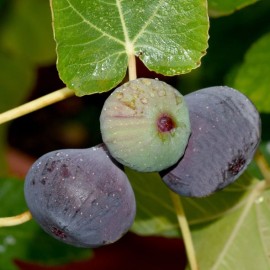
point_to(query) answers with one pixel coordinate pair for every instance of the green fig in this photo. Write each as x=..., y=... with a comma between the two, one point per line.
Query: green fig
x=145, y=125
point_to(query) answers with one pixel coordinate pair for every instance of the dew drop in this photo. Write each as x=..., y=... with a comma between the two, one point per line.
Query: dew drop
x=144, y=100
x=9, y=240
x=161, y=93
x=178, y=99
x=146, y=81
x=2, y=249
x=259, y=200
x=119, y=95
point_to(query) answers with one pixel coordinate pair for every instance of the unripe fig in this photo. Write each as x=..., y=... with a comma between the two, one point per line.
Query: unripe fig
x=226, y=130
x=80, y=196
x=145, y=125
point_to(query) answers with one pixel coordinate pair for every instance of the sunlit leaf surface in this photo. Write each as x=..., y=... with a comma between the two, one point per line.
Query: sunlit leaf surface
x=95, y=39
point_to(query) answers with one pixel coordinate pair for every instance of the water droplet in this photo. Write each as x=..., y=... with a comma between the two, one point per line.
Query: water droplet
x=146, y=81
x=178, y=99
x=161, y=93
x=119, y=95
x=9, y=240
x=259, y=200
x=2, y=249
x=144, y=100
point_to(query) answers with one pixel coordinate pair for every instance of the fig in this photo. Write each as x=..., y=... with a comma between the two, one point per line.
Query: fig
x=145, y=125
x=80, y=196
x=226, y=131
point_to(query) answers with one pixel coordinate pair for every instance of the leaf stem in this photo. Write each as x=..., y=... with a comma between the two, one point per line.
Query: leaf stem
x=36, y=104
x=185, y=230
x=15, y=220
x=132, y=71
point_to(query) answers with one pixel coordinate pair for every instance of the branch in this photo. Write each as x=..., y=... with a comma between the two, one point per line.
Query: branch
x=15, y=220
x=185, y=230
x=36, y=104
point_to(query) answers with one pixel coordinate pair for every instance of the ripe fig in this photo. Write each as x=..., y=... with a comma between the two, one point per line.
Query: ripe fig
x=145, y=125
x=80, y=196
x=226, y=131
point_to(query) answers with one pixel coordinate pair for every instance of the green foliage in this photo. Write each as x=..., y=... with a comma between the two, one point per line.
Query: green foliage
x=94, y=42
x=27, y=241
x=252, y=77
x=155, y=211
x=239, y=239
x=219, y=8
x=26, y=32
x=26, y=41
x=13, y=90
x=95, y=39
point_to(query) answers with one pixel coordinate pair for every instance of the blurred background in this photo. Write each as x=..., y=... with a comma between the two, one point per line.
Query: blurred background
x=28, y=71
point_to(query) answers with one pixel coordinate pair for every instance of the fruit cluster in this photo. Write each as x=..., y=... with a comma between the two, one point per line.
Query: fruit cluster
x=199, y=144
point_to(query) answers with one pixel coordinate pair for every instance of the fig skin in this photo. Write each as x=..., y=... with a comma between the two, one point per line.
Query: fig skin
x=226, y=131
x=145, y=125
x=80, y=196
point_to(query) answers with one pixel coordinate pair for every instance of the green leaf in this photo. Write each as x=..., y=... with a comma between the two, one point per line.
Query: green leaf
x=203, y=210
x=3, y=162
x=26, y=32
x=253, y=77
x=28, y=241
x=16, y=79
x=240, y=239
x=219, y=8
x=155, y=211
x=96, y=38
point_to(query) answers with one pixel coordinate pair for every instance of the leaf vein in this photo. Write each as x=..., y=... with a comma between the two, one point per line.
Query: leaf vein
x=250, y=201
x=94, y=26
x=148, y=22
